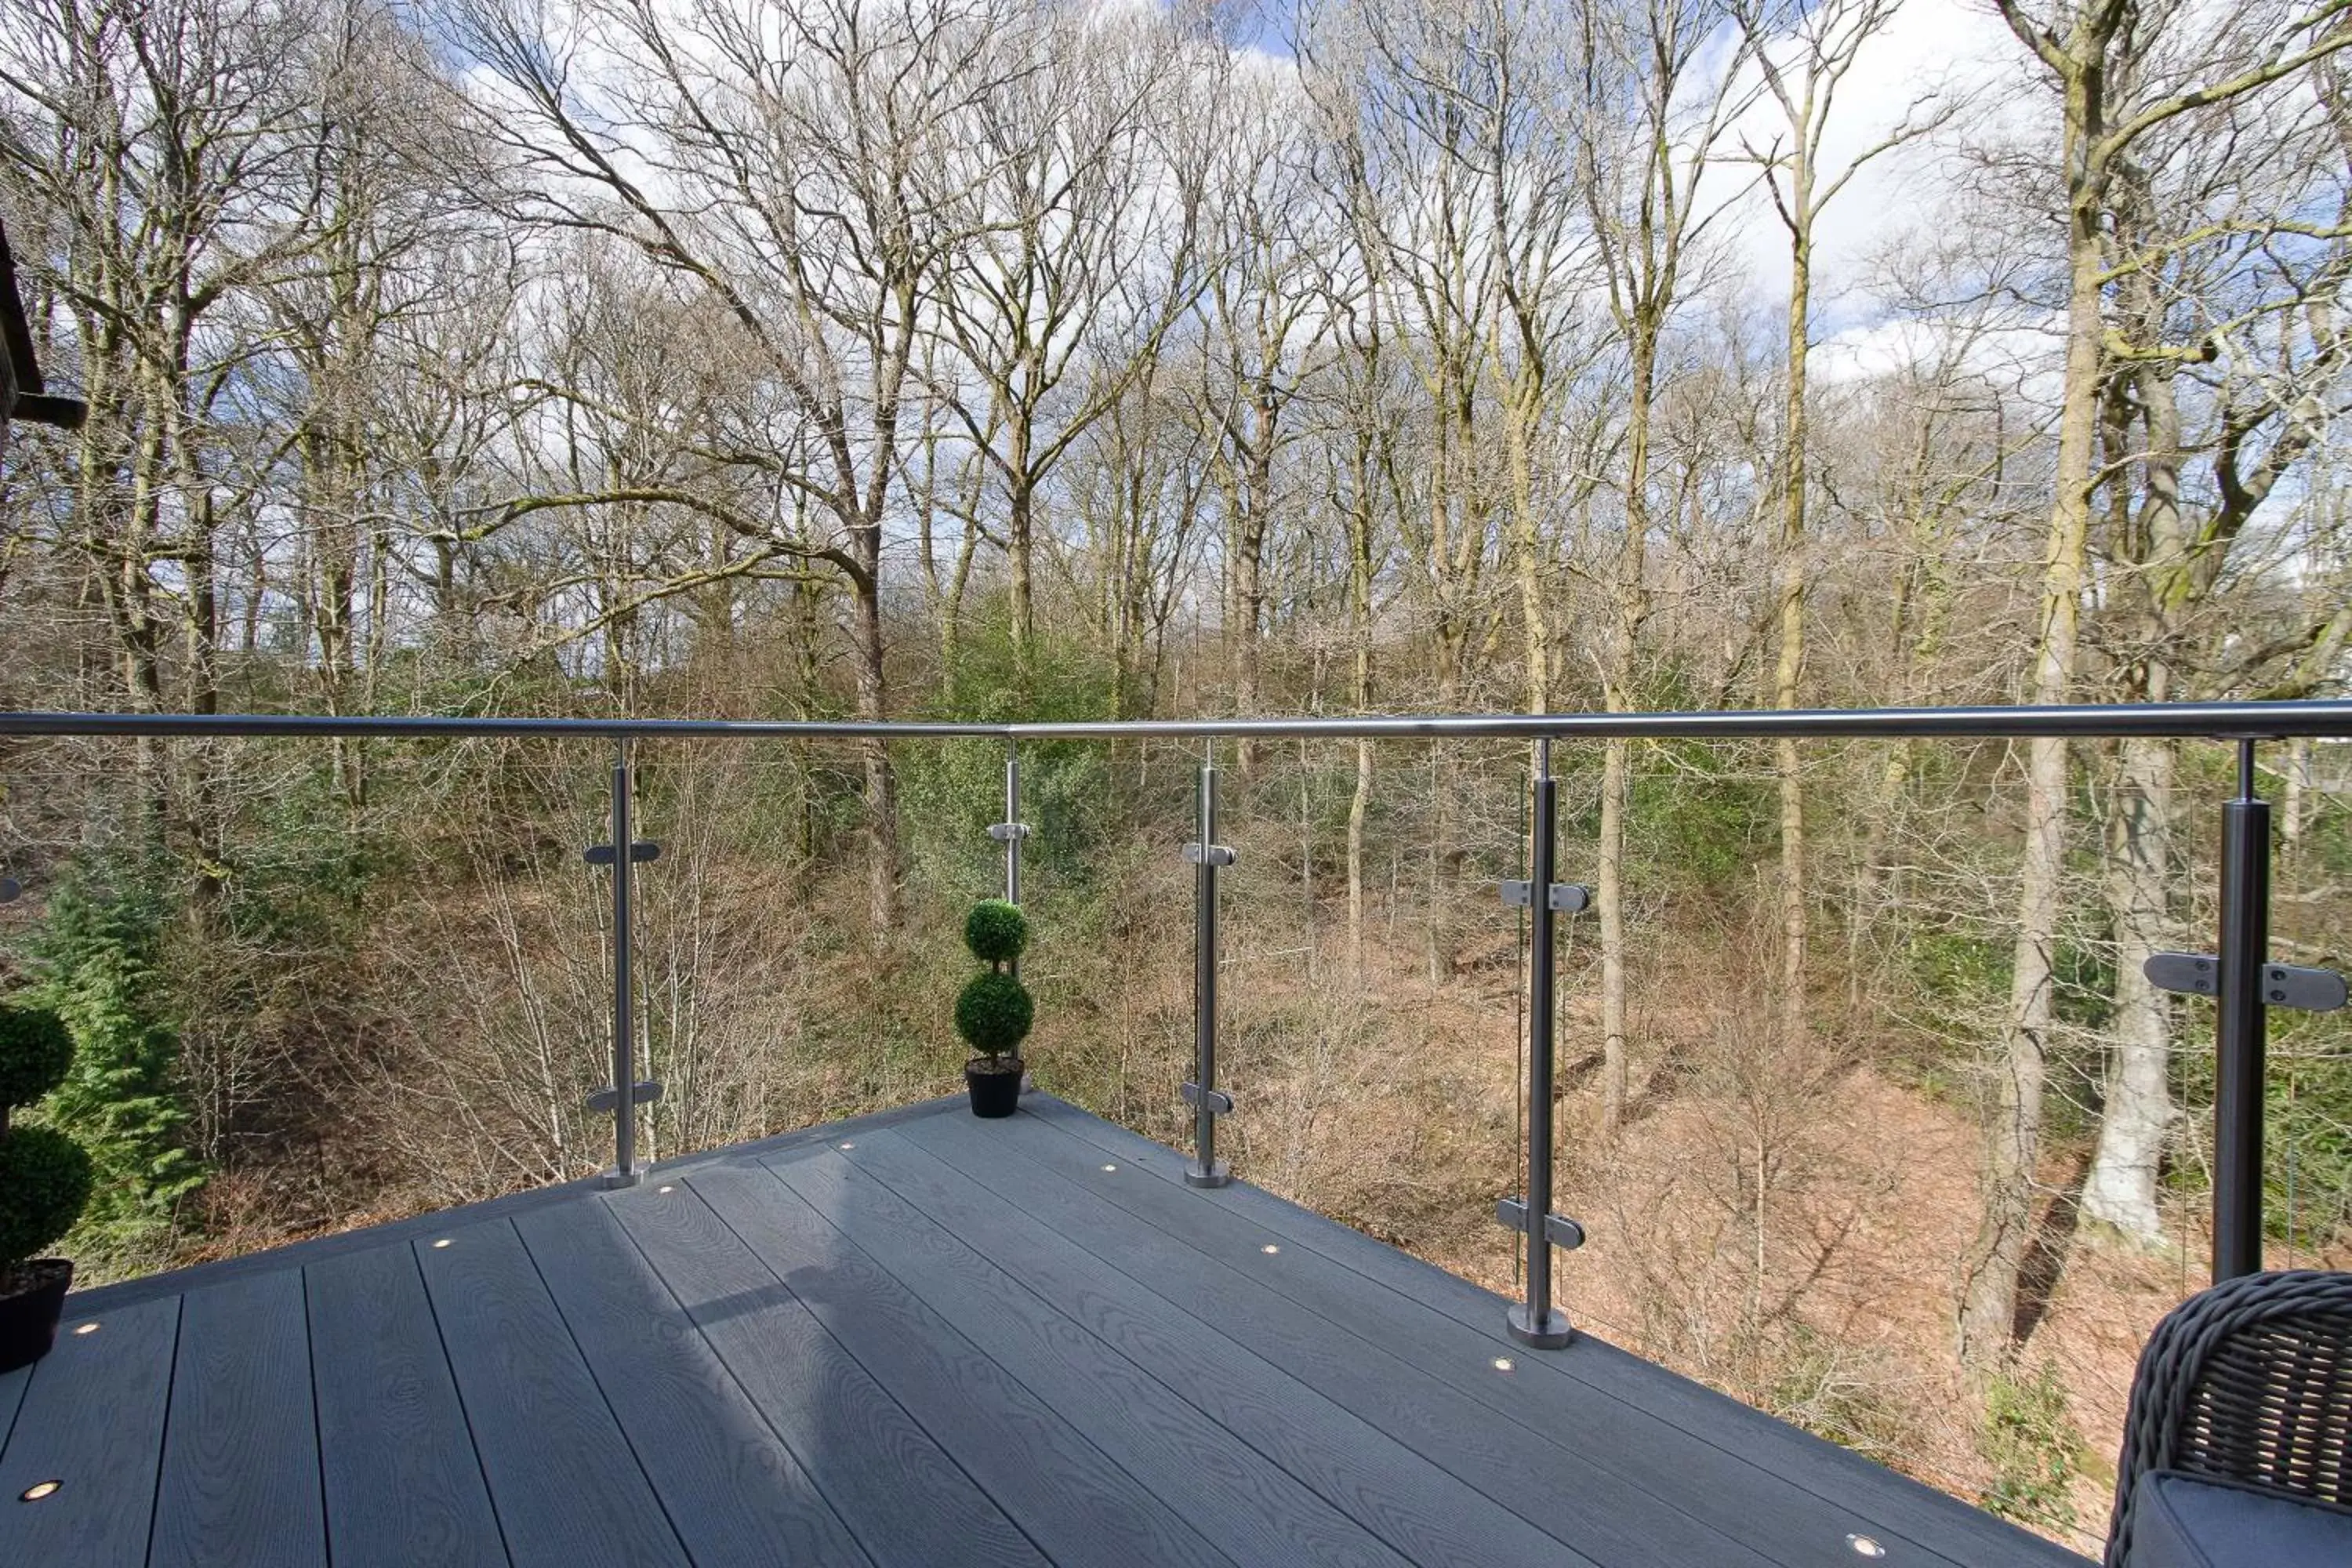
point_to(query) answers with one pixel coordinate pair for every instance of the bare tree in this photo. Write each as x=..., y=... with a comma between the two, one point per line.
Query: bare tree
x=800, y=175
x=1804, y=53
x=1137, y=485
x=1079, y=222
x=2093, y=52
x=1395, y=81
x=165, y=149
x=1364, y=419
x=2223, y=272
x=1273, y=227
x=1655, y=106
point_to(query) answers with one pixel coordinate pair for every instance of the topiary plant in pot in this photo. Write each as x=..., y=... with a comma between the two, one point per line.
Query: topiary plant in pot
x=44, y=1178
x=993, y=1011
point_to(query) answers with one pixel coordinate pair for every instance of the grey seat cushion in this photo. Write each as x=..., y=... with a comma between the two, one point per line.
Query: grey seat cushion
x=2181, y=1520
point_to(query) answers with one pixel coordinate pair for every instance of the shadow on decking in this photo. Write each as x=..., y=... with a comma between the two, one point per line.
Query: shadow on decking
x=913, y=1338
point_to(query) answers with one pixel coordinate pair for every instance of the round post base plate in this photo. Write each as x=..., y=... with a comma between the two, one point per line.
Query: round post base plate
x=1551, y=1335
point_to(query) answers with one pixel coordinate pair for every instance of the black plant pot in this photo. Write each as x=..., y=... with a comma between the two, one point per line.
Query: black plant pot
x=29, y=1314
x=993, y=1093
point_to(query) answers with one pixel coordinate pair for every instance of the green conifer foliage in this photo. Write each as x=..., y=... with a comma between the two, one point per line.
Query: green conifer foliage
x=94, y=958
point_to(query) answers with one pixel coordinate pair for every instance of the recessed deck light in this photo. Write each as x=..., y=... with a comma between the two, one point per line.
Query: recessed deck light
x=38, y=1490
x=1110, y=1167
x=851, y=1145
x=1269, y=1249
x=442, y=1242
x=1865, y=1546
x=665, y=1189
x=1502, y=1363
x=87, y=1329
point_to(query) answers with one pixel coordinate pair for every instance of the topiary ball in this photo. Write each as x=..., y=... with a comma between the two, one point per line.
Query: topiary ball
x=993, y=1014
x=45, y=1180
x=34, y=1052
x=996, y=932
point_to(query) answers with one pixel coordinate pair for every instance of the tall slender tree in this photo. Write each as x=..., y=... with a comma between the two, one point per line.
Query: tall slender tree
x=2095, y=55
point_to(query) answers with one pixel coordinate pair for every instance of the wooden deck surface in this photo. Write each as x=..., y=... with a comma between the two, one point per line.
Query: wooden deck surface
x=913, y=1340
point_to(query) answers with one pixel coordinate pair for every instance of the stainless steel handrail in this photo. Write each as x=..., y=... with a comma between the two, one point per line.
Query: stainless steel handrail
x=253, y=726
x=2209, y=720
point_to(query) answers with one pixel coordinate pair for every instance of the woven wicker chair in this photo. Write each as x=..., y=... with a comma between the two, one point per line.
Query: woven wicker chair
x=2248, y=1384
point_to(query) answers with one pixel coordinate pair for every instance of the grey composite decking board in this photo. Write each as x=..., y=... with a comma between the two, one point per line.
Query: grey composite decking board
x=801, y=1137
x=239, y=1487
x=899, y=1494
x=964, y=1343
x=1711, y=1485
x=318, y=1248
x=402, y=1483
x=1431, y=1517
x=1894, y=1504
x=12, y=1395
x=1080, y=1508
x=1565, y=1493
x=1243, y=1504
x=566, y=1485
x=733, y=1492
x=12, y=1384
x=1898, y=1502
x=92, y=1418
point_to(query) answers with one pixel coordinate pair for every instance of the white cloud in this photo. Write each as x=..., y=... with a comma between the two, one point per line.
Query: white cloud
x=1955, y=47
x=2015, y=352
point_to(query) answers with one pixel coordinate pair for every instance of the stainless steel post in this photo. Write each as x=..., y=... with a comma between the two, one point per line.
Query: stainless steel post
x=1533, y=1321
x=1209, y=1102
x=625, y=1034
x=2239, y=1042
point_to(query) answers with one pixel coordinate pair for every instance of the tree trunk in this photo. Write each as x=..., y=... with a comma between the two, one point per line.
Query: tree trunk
x=881, y=781
x=1873, y=889
x=1018, y=523
x=1360, y=628
x=1616, y=781
x=1611, y=879
x=2158, y=561
x=2291, y=801
x=2120, y=1190
x=1790, y=669
x=1359, y=809
x=1249, y=610
x=1530, y=531
x=2014, y=1129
